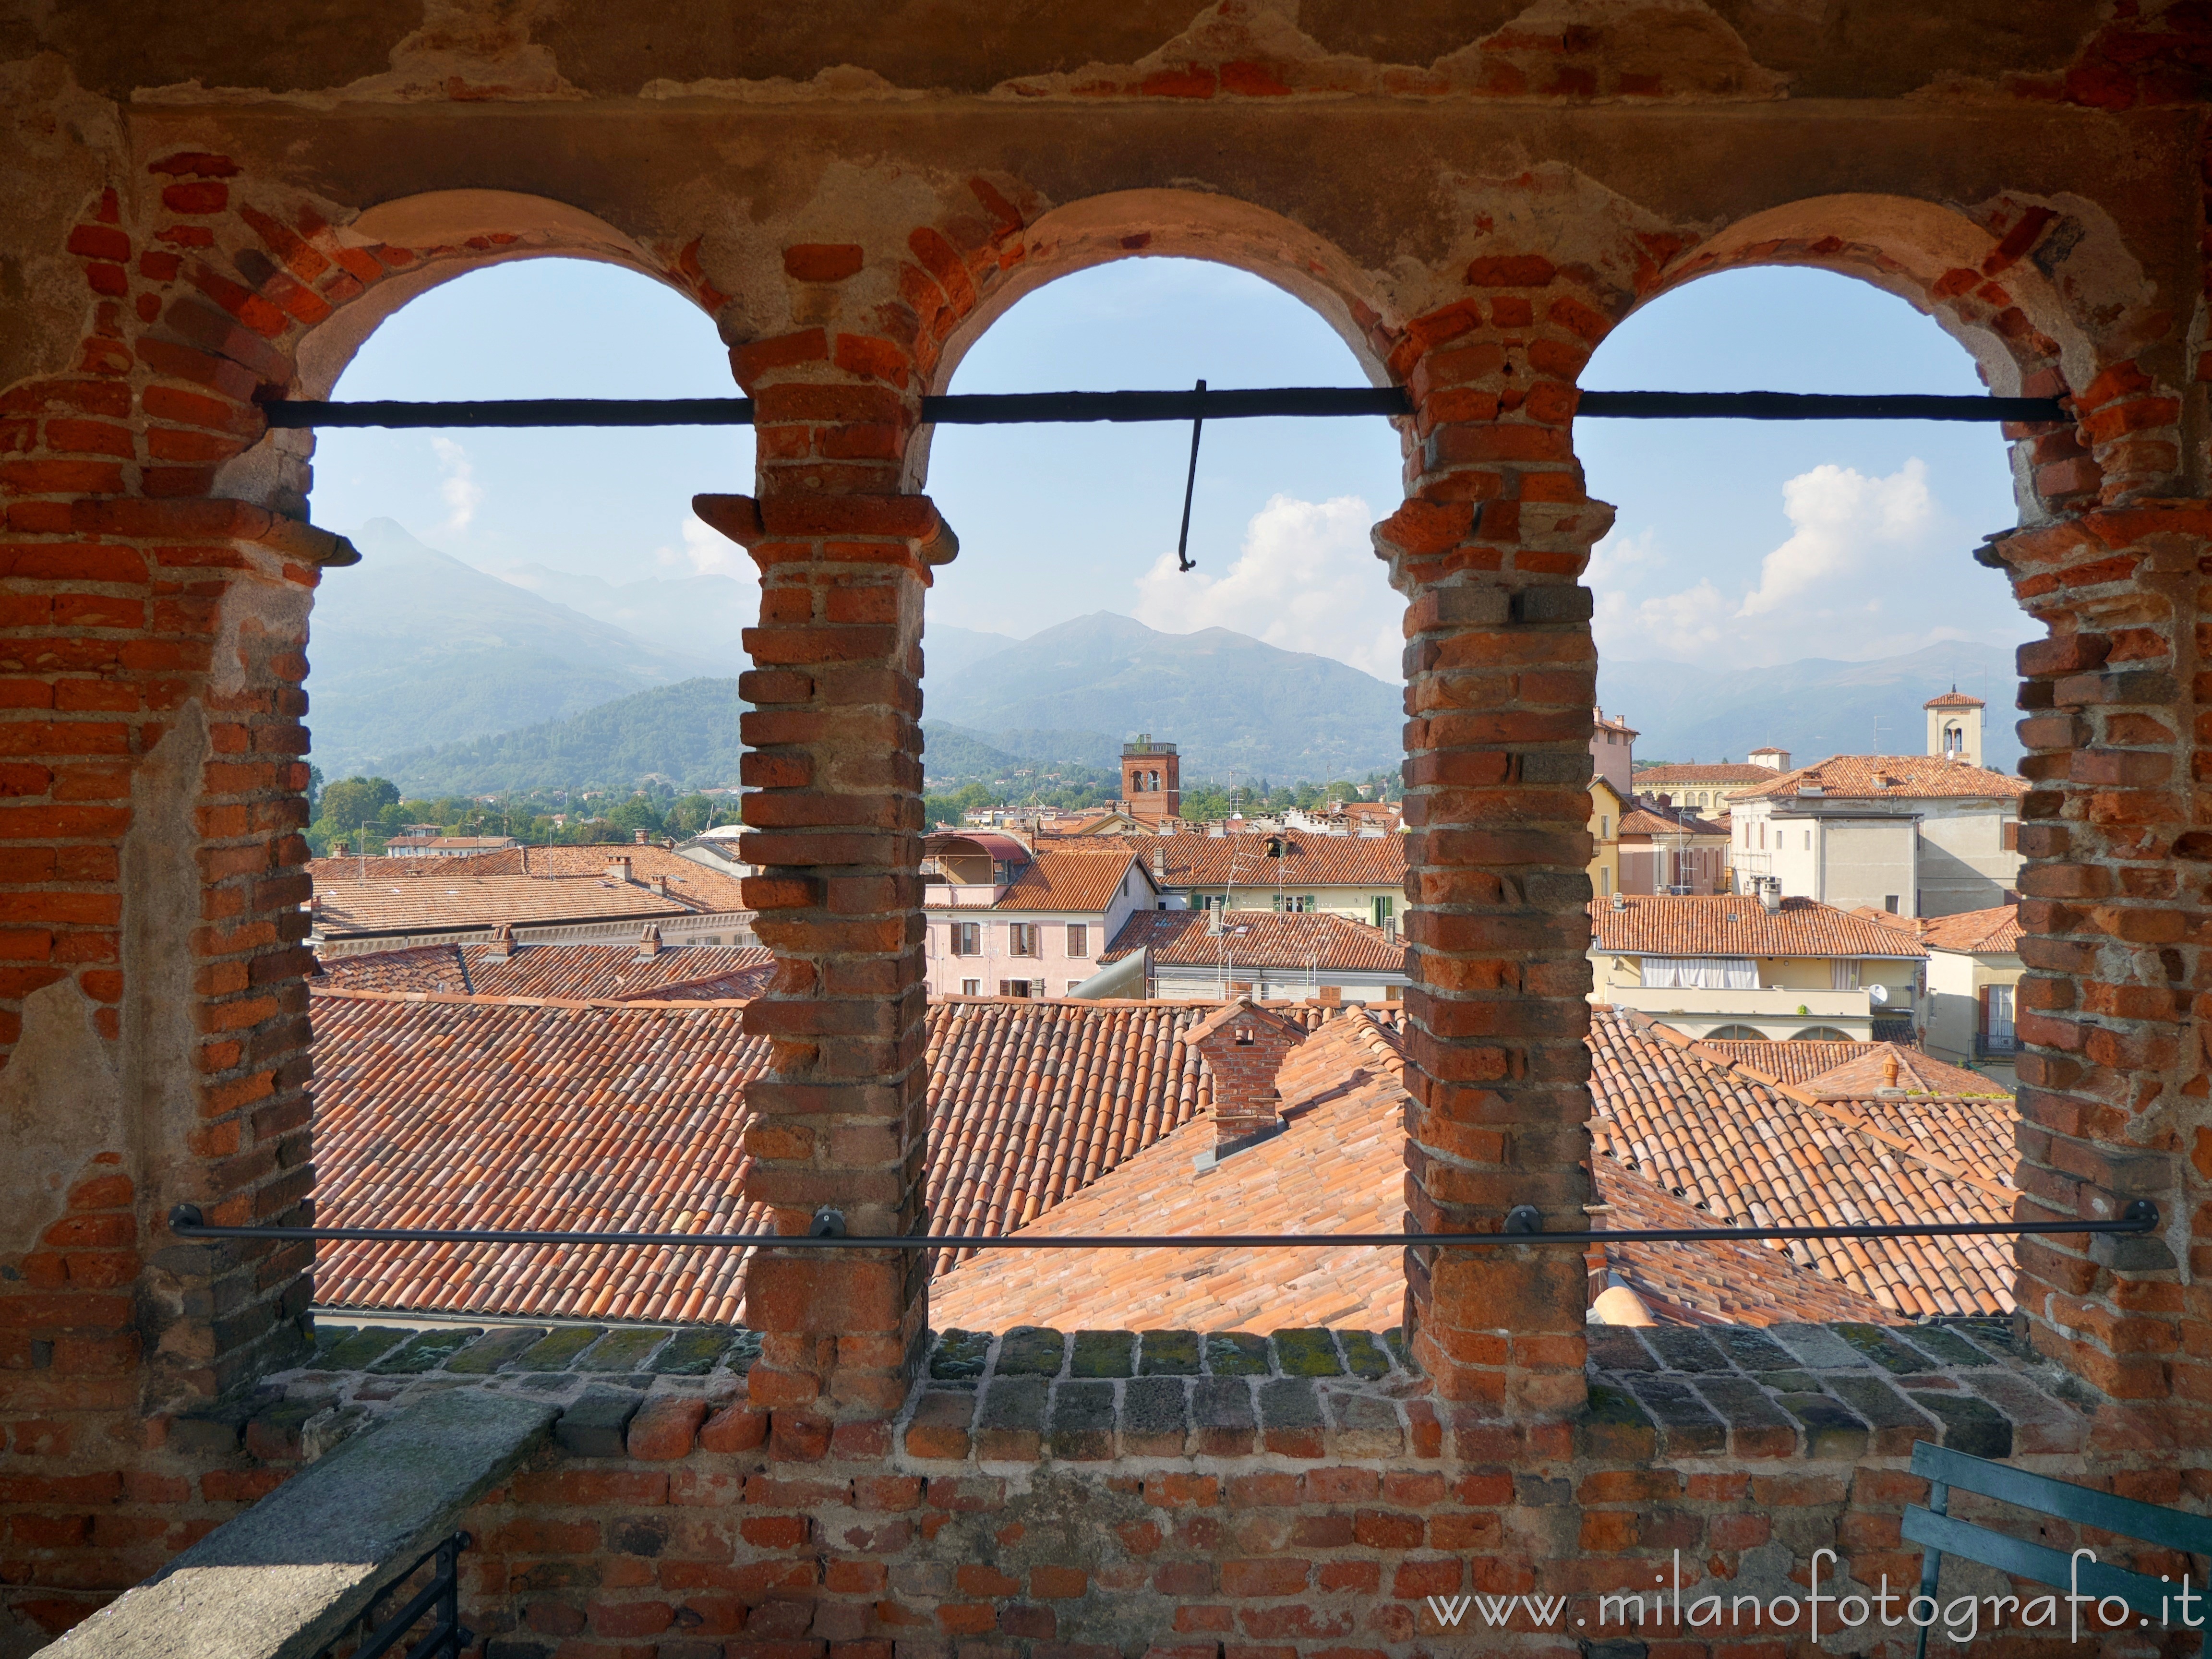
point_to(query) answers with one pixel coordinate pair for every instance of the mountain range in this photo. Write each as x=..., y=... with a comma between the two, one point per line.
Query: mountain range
x=451, y=680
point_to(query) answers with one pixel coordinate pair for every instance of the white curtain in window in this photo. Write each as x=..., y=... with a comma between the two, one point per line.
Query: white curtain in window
x=1843, y=976
x=1700, y=974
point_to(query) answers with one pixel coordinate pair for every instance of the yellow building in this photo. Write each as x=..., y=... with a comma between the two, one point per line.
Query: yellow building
x=1605, y=812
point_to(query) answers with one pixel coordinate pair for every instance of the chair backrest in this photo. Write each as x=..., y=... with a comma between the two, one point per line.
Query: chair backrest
x=2151, y=1597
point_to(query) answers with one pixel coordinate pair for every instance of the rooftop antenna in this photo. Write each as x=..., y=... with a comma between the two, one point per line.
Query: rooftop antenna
x=1878, y=723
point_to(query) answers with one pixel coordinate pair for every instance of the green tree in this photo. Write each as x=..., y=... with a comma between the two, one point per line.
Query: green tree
x=638, y=812
x=352, y=803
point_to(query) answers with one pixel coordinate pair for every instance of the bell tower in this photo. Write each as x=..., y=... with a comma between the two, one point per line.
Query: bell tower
x=1954, y=726
x=1151, y=785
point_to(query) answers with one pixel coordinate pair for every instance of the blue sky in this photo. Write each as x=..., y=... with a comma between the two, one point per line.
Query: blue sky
x=1741, y=541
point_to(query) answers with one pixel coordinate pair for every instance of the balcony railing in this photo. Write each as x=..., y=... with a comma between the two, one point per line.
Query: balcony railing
x=1995, y=1045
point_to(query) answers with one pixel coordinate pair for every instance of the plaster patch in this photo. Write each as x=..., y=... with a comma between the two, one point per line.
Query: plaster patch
x=60, y=1102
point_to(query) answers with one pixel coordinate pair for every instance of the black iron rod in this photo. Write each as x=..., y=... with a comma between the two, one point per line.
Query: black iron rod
x=1189, y=490
x=2137, y=1222
x=1025, y=408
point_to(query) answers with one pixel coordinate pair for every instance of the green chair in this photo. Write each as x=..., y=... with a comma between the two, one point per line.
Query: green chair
x=2149, y=1597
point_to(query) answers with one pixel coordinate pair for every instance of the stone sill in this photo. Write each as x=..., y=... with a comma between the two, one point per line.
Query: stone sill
x=1675, y=1394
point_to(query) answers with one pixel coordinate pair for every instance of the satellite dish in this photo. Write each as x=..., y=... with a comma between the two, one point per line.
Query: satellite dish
x=1878, y=994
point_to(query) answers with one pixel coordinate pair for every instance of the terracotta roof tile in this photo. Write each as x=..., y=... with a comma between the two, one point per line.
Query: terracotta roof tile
x=1306, y=860
x=1649, y=821
x=1744, y=1151
x=1913, y=777
x=347, y=908
x=1785, y=1062
x=1894, y=1065
x=1668, y=925
x=574, y=972
x=702, y=887
x=1340, y=1167
x=1069, y=881
x=1691, y=772
x=448, y=1110
x=1993, y=931
x=1721, y=1281
x=1258, y=939
x=1954, y=698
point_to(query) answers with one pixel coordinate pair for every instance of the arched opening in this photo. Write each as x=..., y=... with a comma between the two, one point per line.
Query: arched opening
x=525, y=732
x=1792, y=620
x=1224, y=743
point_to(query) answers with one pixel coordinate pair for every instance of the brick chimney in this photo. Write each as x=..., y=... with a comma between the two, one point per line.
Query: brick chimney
x=618, y=869
x=501, y=946
x=648, y=942
x=638, y=836
x=1243, y=1046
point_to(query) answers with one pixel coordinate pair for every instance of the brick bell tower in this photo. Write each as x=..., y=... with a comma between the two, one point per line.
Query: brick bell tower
x=1152, y=784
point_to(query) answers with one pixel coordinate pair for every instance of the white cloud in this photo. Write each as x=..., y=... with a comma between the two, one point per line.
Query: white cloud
x=1305, y=579
x=1843, y=518
x=709, y=553
x=1842, y=585
x=459, y=489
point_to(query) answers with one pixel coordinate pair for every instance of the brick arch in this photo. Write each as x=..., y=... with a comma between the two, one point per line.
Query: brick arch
x=161, y=570
x=1978, y=278
x=1030, y=251
x=2113, y=1085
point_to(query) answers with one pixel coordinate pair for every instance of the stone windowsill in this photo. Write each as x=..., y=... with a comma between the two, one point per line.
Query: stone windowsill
x=1842, y=1393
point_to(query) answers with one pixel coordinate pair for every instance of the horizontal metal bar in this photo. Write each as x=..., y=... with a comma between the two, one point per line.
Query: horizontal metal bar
x=2136, y=1222
x=1028, y=408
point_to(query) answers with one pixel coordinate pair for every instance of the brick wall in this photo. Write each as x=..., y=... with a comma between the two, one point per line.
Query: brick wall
x=1103, y=1495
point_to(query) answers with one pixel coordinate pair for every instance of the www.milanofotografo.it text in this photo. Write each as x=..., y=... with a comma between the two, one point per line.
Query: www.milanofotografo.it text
x=2082, y=1615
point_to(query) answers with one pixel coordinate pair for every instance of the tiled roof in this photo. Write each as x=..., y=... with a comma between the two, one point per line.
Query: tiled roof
x=1069, y=881
x=1644, y=821
x=1032, y=1101
x=1339, y=1167
x=600, y=973
x=703, y=887
x=465, y=1113
x=1306, y=860
x=1954, y=698
x=1785, y=1062
x=1258, y=939
x=1976, y=932
x=1894, y=1066
x=1721, y=773
x=448, y=1110
x=383, y=905
x=1727, y=925
x=1745, y=1153
x=1716, y=1281
x=1913, y=777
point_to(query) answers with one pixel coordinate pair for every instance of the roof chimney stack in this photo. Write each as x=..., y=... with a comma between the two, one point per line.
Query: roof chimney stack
x=648, y=942
x=1769, y=894
x=638, y=836
x=618, y=869
x=502, y=945
x=1243, y=1046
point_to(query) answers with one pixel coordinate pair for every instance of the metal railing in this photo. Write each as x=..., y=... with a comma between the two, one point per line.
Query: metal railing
x=1991, y=1047
x=1198, y=404
x=1522, y=1226
x=448, y=1636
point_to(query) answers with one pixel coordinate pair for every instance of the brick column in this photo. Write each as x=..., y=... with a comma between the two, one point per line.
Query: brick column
x=1501, y=676
x=2114, y=915
x=833, y=765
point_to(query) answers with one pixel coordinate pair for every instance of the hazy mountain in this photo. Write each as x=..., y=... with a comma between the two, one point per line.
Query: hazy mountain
x=956, y=755
x=1232, y=703
x=686, y=732
x=947, y=651
x=411, y=646
x=700, y=615
x=1813, y=708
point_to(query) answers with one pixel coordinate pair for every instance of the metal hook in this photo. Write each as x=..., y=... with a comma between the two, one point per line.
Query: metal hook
x=1189, y=488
